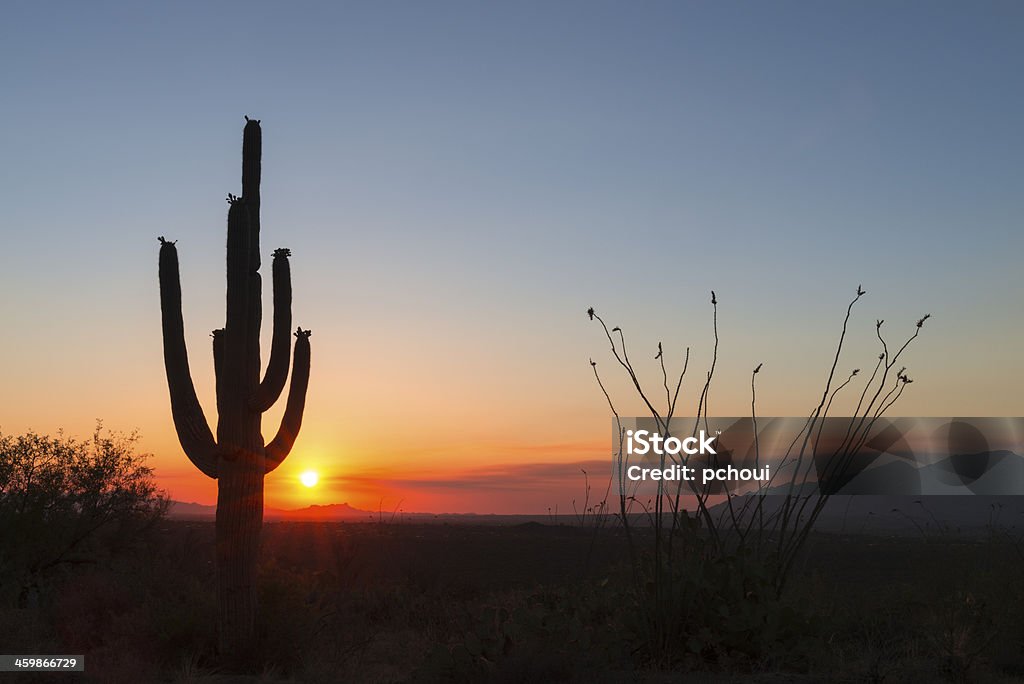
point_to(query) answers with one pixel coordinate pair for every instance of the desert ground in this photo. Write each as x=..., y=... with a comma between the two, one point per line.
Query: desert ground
x=401, y=601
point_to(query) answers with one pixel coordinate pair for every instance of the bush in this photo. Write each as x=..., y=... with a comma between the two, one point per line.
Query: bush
x=709, y=582
x=66, y=503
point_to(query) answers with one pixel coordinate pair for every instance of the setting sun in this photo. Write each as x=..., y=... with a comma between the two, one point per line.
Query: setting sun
x=309, y=478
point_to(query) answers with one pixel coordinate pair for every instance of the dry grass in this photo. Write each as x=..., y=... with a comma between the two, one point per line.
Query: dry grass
x=370, y=603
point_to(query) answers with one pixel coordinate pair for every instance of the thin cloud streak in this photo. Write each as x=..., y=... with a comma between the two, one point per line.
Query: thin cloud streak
x=504, y=477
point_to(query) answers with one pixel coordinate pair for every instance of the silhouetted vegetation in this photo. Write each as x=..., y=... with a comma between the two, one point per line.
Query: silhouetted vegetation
x=238, y=458
x=364, y=602
x=66, y=503
x=735, y=557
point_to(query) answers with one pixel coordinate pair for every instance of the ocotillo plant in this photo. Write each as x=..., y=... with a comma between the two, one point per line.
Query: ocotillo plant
x=238, y=458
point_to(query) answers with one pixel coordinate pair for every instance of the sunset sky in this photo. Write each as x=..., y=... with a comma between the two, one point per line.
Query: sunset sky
x=458, y=182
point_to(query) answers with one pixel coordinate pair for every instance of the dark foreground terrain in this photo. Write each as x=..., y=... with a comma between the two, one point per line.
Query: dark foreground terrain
x=368, y=602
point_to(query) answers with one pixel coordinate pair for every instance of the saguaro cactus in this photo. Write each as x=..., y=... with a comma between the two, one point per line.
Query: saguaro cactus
x=238, y=458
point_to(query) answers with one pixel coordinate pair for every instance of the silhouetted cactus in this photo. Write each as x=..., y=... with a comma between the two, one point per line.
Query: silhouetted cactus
x=238, y=457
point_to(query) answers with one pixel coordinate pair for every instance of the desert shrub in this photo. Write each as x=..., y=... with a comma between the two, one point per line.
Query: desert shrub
x=67, y=503
x=549, y=634
x=708, y=583
x=289, y=614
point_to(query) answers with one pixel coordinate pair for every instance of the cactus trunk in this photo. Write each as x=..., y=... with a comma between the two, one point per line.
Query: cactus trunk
x=238, y=458
x=239, y=522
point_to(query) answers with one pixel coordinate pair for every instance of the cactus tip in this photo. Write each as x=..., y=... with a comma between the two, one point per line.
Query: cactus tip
x=282, y=252
x=165, y=241
x=299, y=332
x=233, y=199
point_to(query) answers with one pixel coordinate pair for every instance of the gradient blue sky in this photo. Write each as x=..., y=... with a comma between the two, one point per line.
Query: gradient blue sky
x=460, y=181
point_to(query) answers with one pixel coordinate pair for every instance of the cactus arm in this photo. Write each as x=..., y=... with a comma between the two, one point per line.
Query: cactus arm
x=189, y=421
x=277, y=368
x=218, y=358
x=282, y=444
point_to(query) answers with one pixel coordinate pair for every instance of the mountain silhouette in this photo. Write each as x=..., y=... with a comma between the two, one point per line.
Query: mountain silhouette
x=328, y=513
x=998, y=473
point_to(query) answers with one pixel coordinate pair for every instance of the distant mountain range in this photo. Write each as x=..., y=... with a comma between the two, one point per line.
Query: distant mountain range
x=871, y=514
x=329, y=513
x=991, y=473
x=967, y=493
x=342, y=512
